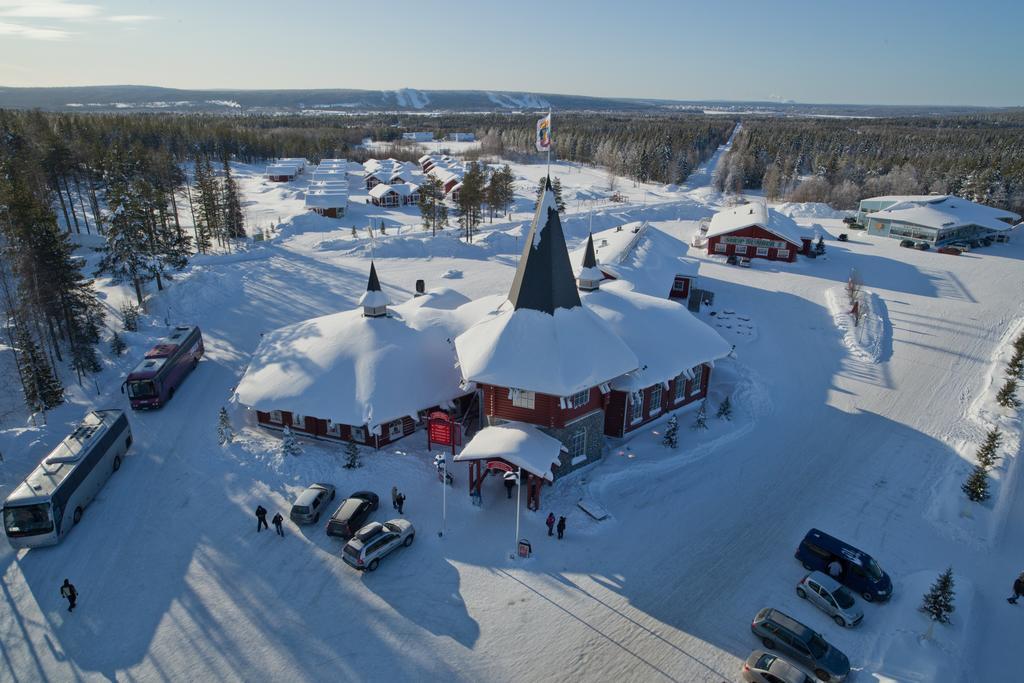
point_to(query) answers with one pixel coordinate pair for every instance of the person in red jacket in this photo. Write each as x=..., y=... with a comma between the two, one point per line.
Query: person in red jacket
x=551, y=523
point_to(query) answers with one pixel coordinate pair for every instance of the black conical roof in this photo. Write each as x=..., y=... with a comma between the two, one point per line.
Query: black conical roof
x=373, y=285
x=544, y=280
x=589, y=258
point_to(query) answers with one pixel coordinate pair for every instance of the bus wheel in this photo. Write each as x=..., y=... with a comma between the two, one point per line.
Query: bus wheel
x=117, y=462
x=77, y=516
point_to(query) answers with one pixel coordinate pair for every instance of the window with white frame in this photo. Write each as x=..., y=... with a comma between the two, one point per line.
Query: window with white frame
x=680, y=387
x=276, y=417
x=298, y=421
x=523, y=399
x=741, y=249
x=578, y=445
x=762, y=251
x=396, y=429
x=636, y=406
x=655, y=399
x=679, y=284
x=697, y=385
x=358, y=434
x=720, y=248
x=783, y=253
x=580, y=399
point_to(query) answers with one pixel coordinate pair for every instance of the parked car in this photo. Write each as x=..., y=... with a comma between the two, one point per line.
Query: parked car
x=745, y=262
x=857, y=226
x=842, y=237
x=952, y=251
x=1002, y=238
x=909, y=244
x=779, y=631
x=849, y=220
x=986, y=241
x=859, y=571
x=962, y=246
x=307, y=507
x=921, y=246
x=764, y=667
x=732, y=259
x=351, y=514
x=826, y=594
x=375, y=540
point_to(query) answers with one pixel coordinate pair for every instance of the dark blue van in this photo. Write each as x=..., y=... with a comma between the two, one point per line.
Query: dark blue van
x=858, y=570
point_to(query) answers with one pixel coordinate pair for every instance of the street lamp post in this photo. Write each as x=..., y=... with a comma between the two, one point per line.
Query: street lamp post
x=441, y=461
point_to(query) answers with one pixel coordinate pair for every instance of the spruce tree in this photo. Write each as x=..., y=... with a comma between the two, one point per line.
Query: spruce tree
x=42, y=388
x=556, y=189
x=725, y=409
x=976, y=486
x=701, y=421
x=117, y=345
x=225, y=434
x=234, y=219
x=988, y=453
x=130, y=316
x=671, y=437
x=352, y=455
x=290, y=443
x=938, y=601
x=1007, y=396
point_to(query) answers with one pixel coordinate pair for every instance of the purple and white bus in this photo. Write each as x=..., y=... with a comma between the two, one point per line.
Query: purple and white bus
x=153, y=381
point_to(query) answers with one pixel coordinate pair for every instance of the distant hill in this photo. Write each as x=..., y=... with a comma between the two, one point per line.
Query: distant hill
x=105, y=98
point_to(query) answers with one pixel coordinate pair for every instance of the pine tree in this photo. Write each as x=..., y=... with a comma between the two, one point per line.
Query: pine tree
x=225, y=434
x=130, y=316
x=725, y=409
x=117, y=345
x=938, y=601
x=701, y=422
x=43, y=389
x=352, y=455
x=1007, y=396
x=556, y=189
x=976, y=486
x=124, y=253
x=234, y=219
x=432, y=207
x=671, y=438
x=290, y=443
x=988, y=454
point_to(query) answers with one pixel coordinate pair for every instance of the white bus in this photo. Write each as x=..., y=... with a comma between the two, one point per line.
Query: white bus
x=51, y=499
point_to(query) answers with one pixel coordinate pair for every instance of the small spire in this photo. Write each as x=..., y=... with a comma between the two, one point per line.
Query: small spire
x=589, y=258
x=374, y=284
x=374, y=301
x=590, y=275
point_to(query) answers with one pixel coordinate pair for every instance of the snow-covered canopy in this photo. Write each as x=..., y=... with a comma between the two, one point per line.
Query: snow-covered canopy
x=518, y=443
x=667, y=339
x=943, y=212
x=749, y=215
x=355, y=370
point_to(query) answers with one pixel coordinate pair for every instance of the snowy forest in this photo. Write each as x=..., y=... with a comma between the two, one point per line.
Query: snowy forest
x=840, y=161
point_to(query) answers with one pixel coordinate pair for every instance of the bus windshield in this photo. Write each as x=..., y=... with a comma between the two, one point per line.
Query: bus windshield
x=142, y=388
x=28, y=520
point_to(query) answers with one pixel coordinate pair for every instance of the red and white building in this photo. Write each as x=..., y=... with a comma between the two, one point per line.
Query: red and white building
x=754, y=231
x=395, y=195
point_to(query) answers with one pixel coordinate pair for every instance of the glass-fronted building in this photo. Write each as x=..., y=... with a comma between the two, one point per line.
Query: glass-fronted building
x=937, y=219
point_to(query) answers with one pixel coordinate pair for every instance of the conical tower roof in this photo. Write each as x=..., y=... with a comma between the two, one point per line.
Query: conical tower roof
x=373, y=300
x=590, y=275
x=544, y=279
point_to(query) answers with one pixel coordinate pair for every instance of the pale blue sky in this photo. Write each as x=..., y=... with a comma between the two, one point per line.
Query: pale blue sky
x=870, y=51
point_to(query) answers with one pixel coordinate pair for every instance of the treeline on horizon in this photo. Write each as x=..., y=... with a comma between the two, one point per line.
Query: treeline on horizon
x=840, y=161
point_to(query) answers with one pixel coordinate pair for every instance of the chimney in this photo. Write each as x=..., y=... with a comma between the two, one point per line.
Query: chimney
x=421, y=288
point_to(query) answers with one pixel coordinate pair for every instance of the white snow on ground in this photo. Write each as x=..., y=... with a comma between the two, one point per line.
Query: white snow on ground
x=175, y=583
x=867, y=338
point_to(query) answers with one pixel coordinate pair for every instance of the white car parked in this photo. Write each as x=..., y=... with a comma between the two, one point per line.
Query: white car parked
x=365, y=550
x=830, y=597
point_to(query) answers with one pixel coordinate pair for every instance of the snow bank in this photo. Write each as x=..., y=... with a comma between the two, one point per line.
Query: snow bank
x=809, y=210
x=867, y=340
x=902, y=653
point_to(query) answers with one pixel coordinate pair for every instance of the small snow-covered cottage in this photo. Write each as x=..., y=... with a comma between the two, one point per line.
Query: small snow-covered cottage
x=395, y=195
x=754, y=231
x=282, y=172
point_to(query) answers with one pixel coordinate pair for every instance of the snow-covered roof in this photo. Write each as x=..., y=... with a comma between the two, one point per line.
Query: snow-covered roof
x=402, y=189
x=518, y=443
x=667, y=339
x=326, y=198
x=755, y=213
x=329, y=173
x=944, y=212
x=648, y=258
x=282, y=169
x=357, y=370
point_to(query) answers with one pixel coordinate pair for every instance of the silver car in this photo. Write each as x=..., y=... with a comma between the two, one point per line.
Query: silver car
x=764, y=667
x=830, y=597
x=307, y=507
x=370, y=544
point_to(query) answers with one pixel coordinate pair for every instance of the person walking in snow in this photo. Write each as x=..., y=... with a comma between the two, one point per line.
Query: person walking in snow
x=67, y=590
x=835, y=568
x=278, y=519
x=399, y=502
x=1018, y=589
x=261, y=519
x=550, y=521
x=561, y=527
x=394, y=497
x=510, y=483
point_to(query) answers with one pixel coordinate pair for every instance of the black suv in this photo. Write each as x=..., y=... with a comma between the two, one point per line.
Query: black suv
x=351, y=514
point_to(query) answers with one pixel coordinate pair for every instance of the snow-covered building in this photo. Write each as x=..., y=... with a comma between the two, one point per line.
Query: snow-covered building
x=418, y=136
x=282, y=172
x=462, y=137
x=370, y=374
x=755, y=231
x=932, y=218
x=399, y=194
x=327, y=198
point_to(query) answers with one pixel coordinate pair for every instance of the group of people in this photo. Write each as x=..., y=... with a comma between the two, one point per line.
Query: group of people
x=261, y=521
x=550, y=521
x=397, y=499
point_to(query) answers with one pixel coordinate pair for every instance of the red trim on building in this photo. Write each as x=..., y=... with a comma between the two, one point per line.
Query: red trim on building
x=753, y=232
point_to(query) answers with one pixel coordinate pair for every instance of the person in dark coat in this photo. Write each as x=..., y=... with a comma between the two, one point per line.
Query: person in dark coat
x=510, y=484
x=1018, y=589
x=67, y=590
x=261, y=519
x=400, y=501
x=278, y=519
x=394, y=497
x=561, y=527
x=550, y=521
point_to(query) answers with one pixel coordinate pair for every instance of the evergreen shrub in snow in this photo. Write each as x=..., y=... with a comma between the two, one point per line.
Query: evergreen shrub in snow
x=117, y=345
x=938, y=601
x=976, y=486
x=701, y=422
x=289, y=443
x=1007, y=396
x=352, y=456
x=671, y=438
x=988, y=455
x=224, y=432
x=725, y=409
x=130, y=316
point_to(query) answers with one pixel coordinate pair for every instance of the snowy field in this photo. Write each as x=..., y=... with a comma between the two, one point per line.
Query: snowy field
x=175, y=584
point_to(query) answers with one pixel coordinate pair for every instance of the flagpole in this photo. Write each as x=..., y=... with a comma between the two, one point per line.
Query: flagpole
x=550, y=139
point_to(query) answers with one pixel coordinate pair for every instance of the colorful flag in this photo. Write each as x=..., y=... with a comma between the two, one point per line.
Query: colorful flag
x=544, y=134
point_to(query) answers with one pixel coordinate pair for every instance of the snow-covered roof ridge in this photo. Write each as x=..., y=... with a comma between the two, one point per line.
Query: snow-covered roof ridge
x=944, y=212
x=749, y=215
